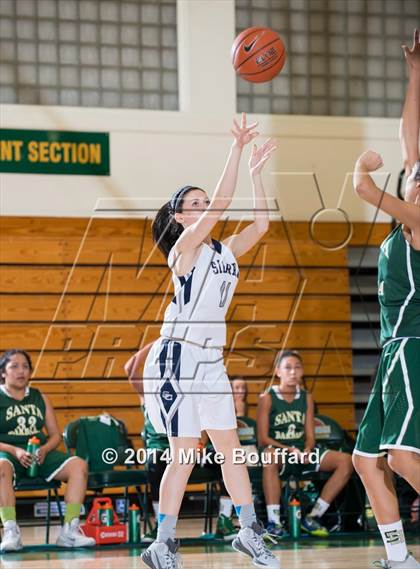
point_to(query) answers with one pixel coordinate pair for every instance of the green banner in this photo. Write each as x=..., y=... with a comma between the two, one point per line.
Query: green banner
x=54, y=152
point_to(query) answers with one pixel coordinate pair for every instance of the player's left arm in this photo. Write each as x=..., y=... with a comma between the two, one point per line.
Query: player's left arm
x=54, y=435
x=242, y=242
x=410, y=119
x=309, y=424
x=407, y=213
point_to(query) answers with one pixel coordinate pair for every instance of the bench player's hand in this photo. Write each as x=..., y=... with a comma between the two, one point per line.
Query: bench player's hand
x=243, y=134
x=40, y=454
x=25, y=458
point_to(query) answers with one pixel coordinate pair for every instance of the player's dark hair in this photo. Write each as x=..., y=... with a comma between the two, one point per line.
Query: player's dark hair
x=287, y=354
x=165, y=229
x=6, y=357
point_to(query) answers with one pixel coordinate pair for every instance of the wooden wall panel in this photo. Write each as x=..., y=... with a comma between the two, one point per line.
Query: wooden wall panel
x=82, y=295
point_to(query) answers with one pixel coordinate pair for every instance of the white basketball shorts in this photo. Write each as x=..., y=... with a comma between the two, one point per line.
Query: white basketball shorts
x=186, y=389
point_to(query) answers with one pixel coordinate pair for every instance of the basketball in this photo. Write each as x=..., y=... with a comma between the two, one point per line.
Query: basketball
x=258, y=54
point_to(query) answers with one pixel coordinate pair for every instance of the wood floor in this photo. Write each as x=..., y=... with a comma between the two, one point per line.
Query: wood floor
x=309, y=553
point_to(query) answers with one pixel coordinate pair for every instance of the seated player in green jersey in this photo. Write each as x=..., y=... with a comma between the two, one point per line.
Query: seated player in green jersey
x=286, y=421
x=389, y=434
x=25, y=413
x=157, y=460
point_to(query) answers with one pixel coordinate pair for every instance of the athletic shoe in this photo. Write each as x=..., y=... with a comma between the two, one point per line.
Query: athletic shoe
x=72, y=535
x=225, y=529
x=313, y=527
x=161, y=555
x=276, y=530
x=250, y=541
x=408, y=563
x=150, y=536
x=11, y=537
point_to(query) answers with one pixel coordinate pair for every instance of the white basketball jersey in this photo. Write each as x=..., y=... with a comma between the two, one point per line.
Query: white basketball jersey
x=202, y=297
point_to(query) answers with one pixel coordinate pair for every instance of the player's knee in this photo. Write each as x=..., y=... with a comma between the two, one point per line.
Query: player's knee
x=346, y=464
x=271, y=467
x=6, y=471
x=78, y=467
x=181, y=466
x=399, y=464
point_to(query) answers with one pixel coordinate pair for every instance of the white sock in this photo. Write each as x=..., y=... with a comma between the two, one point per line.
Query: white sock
x=156, y=509
x=394, y=541
x=225, y=506
x=273, y=513
x=319, y=508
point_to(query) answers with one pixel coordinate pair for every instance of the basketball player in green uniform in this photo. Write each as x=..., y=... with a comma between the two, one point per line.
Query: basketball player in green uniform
x=389, y=435
x=286, y=421
x=25, y=413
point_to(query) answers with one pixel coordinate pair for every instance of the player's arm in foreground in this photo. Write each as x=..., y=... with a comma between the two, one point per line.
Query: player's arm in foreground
x=248, y=237
x=193, y=236
x=54, y=435
x=407, y=213
x=134, y=365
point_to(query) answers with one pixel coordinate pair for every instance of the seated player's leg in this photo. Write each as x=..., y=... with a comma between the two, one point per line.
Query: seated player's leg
x=224, y=526
x=11, y=535
x=272, y=464
x=74, y=471
x=340, y=465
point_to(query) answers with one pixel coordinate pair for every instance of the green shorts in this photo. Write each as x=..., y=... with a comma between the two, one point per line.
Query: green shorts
x=290, y=468
x=392, y=417
x=53, y=463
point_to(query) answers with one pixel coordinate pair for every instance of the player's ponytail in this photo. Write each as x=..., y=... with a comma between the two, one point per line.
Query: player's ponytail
x=165, y=229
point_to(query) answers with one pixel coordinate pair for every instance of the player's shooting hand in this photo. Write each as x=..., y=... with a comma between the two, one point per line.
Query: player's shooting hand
x=413, y=55
x=259, y=156
x=243, y=134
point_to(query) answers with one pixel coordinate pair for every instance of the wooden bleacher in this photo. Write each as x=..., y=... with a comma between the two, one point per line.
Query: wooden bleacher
x=82, y=295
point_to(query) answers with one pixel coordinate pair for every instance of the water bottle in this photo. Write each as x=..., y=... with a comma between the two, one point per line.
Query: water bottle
x=108, y=515
x=32, y=447
x=133, y=524
x=295, y=516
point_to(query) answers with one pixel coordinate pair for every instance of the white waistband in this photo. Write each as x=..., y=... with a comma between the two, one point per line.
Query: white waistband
x=193, y=343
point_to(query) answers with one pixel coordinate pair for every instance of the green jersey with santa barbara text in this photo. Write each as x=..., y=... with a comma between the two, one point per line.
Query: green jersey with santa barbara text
x=399, y=288
x=21, y=420
x=287, y=420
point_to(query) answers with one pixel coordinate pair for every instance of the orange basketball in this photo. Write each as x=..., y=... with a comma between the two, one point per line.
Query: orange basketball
x=258, y=54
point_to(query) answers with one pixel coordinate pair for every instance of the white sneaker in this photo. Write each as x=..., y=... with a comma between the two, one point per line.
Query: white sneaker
x=250, y=541
x=11, y=537
x=408, y=563
x=72, y=535
x=161, y=555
